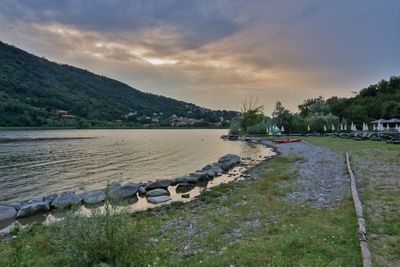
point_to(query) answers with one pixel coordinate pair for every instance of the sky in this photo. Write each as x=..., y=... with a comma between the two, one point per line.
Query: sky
x=217, y=53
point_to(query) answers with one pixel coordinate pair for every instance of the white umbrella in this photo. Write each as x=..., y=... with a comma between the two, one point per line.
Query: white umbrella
x=341, y=127
x=398, y=129
x=345, y=127
x=333, y=127
x=387, y=127
x=324, y=128
x=354, y=127
x=308, y=128
x=282, y=129
x=366, y=127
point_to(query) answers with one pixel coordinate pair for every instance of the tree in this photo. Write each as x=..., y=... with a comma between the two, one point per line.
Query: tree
x=251, y=115
x=282, y=117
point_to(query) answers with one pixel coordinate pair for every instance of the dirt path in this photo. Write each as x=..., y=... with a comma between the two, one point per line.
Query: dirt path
x=322, y=173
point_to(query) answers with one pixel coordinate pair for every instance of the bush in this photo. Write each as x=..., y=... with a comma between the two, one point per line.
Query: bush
x=104, y=237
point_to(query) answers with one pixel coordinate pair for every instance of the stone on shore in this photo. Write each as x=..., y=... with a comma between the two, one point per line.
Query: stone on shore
x=93, y=197
x=184, y=187
x=200, y=175
x=7, y=213
x=157, y=192
x=129, y=190
x=158, y=184
x=39, y=199
x=159, y=199
x=142, y=190
x=187, y=195
x=33, y=208
x=185, y=179
x=50, y=198
x=66, y=200
x=228, y=161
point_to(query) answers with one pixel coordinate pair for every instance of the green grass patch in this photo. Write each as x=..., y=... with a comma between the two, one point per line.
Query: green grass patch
x=249, y=223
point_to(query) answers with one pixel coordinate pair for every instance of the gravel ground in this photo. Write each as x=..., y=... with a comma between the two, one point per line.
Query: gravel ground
x=322, y=175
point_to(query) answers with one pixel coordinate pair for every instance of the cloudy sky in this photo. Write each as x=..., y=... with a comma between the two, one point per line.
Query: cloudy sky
x=216, y=53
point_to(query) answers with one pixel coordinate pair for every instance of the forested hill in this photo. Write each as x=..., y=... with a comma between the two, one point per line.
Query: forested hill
x=37, y=92
x=381, y=100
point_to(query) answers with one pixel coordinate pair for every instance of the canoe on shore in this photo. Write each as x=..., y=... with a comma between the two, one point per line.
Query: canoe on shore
x=286, y=140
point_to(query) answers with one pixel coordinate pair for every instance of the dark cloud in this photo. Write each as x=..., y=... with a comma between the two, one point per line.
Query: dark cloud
x=230, y=49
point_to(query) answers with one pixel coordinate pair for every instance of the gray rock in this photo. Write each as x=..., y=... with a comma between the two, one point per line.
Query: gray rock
x=129, y=190
x=158, y=184
x=50, y=198
x=159, y=199
x=39, y=199
x=200, y=175
x=17, y=205
x=228, y=161
x=93, y=197
x=185, y=179
x=33, y=208
x=184, y=187
x=157, y=192
x=66, y=200
x=142, y=190
x=7, y=213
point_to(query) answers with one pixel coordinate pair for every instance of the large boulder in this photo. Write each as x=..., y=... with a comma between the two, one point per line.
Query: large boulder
x=33, y=208
x=129, y=189
x=118, y=191
x=184, y=187
x=93, y=197
x=157, y=192
x=185, y=179
x=159, y=183
x=159, y=199
x=7, y=213
x=51, y=197
x=228, y=161
x=66, y=200
x=38, y=199
x=200, y=175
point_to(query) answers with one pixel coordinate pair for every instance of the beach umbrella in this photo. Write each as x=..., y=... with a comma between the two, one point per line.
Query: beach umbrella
x=354, y=127
x=387, y=127
x=308, y=128
x=366, y=127
x=282, y=129
x=333, y=127
x=324, y=128
x=341, y=127
x=397, y=127
x=345, y=127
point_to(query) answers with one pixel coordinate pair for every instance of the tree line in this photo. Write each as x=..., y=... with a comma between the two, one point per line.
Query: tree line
x=381, y=100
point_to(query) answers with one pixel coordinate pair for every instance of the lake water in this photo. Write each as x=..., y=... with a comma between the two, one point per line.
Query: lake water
x=34, y=163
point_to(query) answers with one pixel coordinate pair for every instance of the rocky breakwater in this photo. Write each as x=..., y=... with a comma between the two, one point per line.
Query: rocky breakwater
x=155, y=192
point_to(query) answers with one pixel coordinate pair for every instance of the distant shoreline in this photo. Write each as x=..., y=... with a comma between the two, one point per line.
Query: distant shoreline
x=109, y=128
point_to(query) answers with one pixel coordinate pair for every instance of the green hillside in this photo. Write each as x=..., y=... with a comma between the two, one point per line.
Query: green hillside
x=381, y=100
x=33, y=90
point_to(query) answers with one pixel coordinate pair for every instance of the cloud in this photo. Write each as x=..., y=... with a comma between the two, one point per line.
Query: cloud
x=215, y=53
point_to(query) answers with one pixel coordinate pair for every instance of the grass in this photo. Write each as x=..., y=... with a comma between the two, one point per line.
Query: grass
x=249, y=223
x=377, y=170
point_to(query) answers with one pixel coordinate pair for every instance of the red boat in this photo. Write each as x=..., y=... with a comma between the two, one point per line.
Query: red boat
x=286, y=140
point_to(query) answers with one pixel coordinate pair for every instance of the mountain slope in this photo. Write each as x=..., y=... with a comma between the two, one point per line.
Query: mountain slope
x=32, y=89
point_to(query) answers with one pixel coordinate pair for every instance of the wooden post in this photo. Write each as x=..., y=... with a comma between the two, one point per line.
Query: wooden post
x=362, y=232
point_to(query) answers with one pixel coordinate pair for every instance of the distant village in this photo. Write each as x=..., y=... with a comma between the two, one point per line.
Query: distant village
x=157, y=119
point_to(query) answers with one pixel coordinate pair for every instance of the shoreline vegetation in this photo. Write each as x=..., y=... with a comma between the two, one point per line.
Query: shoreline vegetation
x=267, y=220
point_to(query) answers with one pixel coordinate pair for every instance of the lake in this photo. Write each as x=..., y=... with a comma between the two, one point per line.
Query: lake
x=36, y=162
